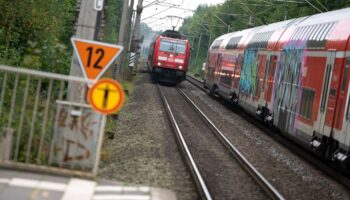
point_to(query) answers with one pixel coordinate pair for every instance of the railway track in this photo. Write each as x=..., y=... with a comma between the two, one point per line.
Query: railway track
x=290, y=143
x=220, y=171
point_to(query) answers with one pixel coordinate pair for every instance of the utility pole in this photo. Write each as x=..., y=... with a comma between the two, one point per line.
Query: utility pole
x=199, y=45
x=121, y=39
x=250, y=23
x=137, y=38
x=285, y=15
x=209, y=40
x=85, y=29
x=128, y=37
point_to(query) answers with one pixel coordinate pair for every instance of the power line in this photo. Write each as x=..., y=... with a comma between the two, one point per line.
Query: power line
x=157, y=13
x=313, y=6
x=249, y=11
x=321, y=5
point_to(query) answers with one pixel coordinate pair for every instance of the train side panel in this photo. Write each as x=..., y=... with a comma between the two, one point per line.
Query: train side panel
x=298, y=81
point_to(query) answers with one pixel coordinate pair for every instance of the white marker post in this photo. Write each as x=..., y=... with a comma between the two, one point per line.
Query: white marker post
x=98, y=5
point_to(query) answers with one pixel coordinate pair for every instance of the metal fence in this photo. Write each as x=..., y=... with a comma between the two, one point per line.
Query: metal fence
x=42, y=127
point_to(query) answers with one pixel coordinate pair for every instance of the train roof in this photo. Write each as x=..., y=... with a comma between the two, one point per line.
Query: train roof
x=173, y=34
x=303, y=28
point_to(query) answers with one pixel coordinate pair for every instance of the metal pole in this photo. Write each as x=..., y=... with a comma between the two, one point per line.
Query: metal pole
x=121, y=39
x=125, y=64
x=86, y=27
x=137, y=30
x=285, y=15
x=209, y=40
x=199, y=44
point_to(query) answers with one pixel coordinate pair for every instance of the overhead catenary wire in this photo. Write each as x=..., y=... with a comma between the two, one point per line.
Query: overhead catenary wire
x=324, y=7
x=156, y=13
x=312, y=5
x=250, y=12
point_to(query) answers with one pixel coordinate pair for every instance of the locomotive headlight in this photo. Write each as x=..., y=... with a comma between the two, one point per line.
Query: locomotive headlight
x=159, y=63
x=171, y=55
x=180, y=67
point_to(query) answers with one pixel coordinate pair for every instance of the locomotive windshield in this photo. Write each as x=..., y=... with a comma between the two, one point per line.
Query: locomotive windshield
x=172, y=46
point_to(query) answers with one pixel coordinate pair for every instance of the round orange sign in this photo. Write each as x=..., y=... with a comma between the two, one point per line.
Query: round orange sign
x=106, y=96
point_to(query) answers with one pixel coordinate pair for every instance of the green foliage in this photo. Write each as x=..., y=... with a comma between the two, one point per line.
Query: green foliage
x=113, y=15
x=234, y=15
x=35, y=34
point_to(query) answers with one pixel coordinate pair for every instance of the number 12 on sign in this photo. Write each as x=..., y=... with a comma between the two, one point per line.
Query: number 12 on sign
x=101, y=54
x=95, y=57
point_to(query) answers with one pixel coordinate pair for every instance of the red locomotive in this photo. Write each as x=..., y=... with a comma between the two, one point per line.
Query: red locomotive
x=169, y=57
x=294, y=75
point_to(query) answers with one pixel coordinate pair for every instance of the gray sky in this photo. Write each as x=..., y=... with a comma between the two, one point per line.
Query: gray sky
x=167, y=8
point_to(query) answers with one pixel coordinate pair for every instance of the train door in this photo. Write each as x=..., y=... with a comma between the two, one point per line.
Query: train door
x=270, y=72
x=347, y=121
x=322, y=128
x=347, y=107
x=218, y=67
x=266, y=72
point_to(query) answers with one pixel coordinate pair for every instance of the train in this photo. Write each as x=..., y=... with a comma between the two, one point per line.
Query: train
x=169, y=57
x=292, y=75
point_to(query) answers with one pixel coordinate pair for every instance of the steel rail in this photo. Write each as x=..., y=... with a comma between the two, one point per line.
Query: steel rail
x=192, y=80
x=287, y=141
x=201, y=185
x=257, y=176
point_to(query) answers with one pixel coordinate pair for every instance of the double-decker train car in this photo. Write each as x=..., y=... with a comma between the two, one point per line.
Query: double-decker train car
x=294, y=75
x=169, y=57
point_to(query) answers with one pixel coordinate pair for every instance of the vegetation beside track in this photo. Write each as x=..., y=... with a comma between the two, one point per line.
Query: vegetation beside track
x=212, y=21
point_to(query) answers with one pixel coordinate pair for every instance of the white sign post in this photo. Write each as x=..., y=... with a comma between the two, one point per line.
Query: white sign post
x=98, y=5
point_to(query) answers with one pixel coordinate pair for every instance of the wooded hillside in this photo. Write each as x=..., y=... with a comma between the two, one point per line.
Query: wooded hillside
x=209, y=22
x=36, y=34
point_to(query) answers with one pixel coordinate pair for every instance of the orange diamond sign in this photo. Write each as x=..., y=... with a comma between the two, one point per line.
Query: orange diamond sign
x=95, y=57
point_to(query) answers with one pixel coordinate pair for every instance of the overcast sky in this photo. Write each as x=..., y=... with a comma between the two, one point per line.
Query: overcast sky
x=168, y=8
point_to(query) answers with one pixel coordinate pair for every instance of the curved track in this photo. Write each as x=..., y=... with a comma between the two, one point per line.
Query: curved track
x=202, y=149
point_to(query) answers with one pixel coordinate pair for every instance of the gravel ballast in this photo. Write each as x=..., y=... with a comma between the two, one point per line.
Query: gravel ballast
x=144, y=150
x=290, y=174
x=224, y=176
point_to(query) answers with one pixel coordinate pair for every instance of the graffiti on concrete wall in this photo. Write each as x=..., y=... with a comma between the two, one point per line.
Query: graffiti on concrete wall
x=76, y=136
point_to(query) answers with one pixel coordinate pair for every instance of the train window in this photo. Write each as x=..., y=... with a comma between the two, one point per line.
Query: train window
x=312, y=39
x=233, y=42
x=325, y=37
x=315, y=35
x=325, y=87
x=301, y=33
x=260, y=40
x=294, y=34
x=307, y=101
x=267, y=69
x=172, y=46
x=225, y=77
x=309, y=33
x=305, y=33
x=216, y=44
